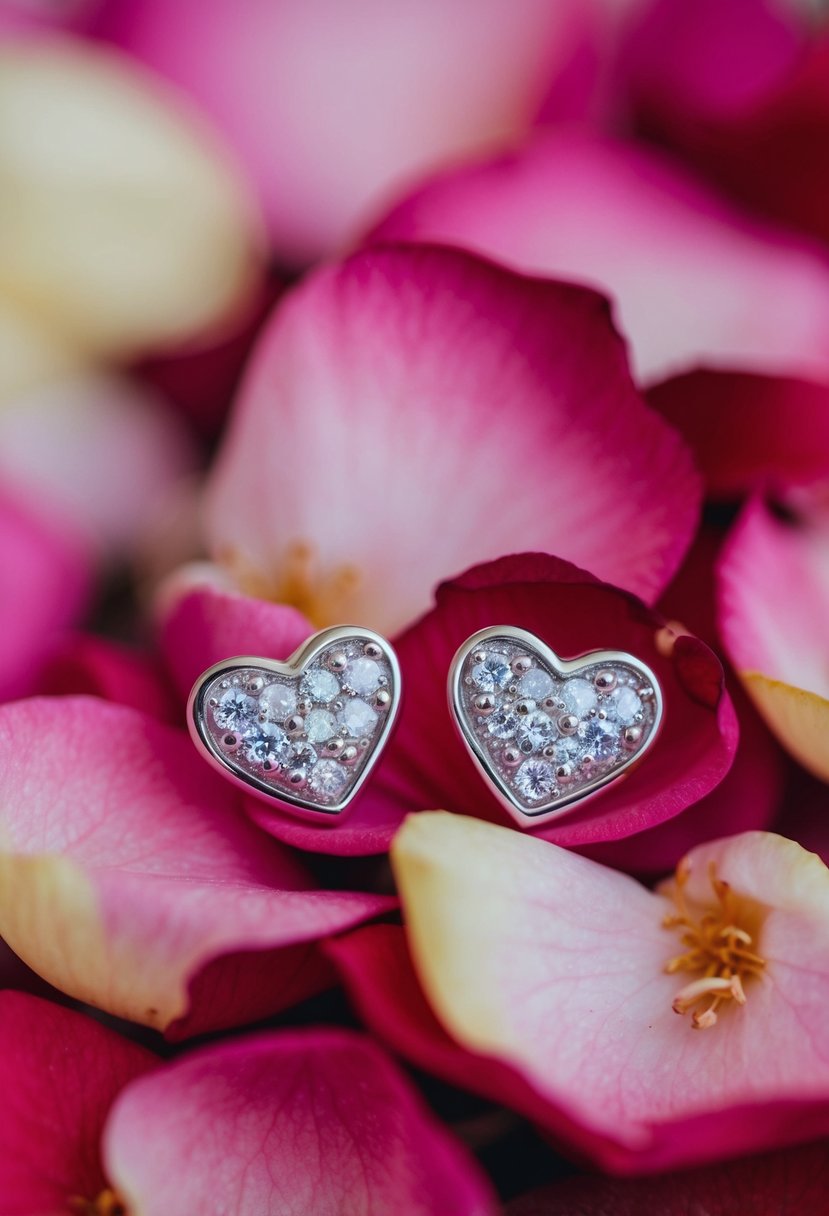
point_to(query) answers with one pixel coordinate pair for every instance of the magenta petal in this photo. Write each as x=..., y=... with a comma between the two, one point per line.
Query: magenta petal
x=426, y=765
x=99, y=667
x=284, y=1125
x=120, y=844
x=694, y=282
x=410, y=393
x=59, y=1074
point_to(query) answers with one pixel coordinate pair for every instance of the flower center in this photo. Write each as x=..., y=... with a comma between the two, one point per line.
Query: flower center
x=321, y=595
x=107, y=1204
x=718, y=943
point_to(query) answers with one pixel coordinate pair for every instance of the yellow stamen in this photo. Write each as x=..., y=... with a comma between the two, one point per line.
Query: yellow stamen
x=321, y=594
x=716, y=945
x=108, y=1203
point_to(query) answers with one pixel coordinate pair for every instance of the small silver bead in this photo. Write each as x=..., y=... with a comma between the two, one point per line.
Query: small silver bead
x=605, y=680
x=231, y=741
x=564, y=772
x=521, y=664
x=349, y=754
x=632, y=735
x=524, y=707
x=372, y=651
x=255, y=684
x=297, y=778
x=333, y=747
x=295, y=724
x=338, y=661
x=484, y=703
x=382, y=699
x=568, y=724
x=512, y=757
x=479, y=656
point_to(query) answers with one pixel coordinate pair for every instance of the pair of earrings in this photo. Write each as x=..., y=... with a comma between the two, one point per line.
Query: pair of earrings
x=545, y=732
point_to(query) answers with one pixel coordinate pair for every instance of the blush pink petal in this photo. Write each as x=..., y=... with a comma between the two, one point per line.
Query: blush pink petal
x=694, y=283
x=412, y=410
x=59, y=1074
x=773, y=601
x=332, y=107
x=748, y=432
x=555, y=966
x=283, y=1125
x=46, y=577
x=794, y=1181
x=130, y=879
x=95, y=666
x=426, y=765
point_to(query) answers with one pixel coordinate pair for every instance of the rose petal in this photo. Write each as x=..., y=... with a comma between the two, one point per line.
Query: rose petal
x=426, y=765
x=59, y=1073
x=774, y=592
x=511, y=938
x=99, y=667
x=124, y=225
x=375, y=414
x=331, y=108
x=694, y=282
x=96, y=451
x=794, y=1180
x=31, y=354
x=749, y=432
x=50, y=573
x=316, y=1121
x=128, y=876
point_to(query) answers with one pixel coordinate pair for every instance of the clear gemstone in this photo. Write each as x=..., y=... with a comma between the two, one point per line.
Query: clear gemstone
x=536, y=684
x=278, y=701
x=357, y=717
x=568, y=749
x=599, y=738
x=235, y=711
x=321, y=685
x=503, y=723
x=535, y=779
x=266, y=743
x=320, y=725
x=623, y=705
x=494, y=672
x=362, y=676
x=302, y=756
x=579, y=697
x=327, y=778
x=534, y=731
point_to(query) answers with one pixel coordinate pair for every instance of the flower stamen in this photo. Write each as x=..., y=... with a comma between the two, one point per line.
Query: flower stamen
x=717, y=946
x=108, y=1203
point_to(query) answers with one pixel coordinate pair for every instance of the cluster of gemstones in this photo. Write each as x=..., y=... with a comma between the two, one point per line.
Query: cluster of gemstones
x=548, y=736
x=305, y=736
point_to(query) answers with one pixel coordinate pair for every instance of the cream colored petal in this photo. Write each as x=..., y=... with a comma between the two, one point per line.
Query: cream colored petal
x=31, y=354
x=799, y=719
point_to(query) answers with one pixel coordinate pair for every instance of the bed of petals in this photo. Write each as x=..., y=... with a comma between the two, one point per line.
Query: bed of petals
x=422, y=319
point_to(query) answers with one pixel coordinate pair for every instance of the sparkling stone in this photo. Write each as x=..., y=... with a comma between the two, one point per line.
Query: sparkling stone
x=357, y=717
x=579, y=697
x=494, y=672
x=235, y=711
x=536, y=684
x=320, y=725
x=266, y=743
x=600, y=739
x=568, y=749
x=278, y=702
x=503, y=723
x=362, y=676
x=534, y=731
x=327, y=778
x=623, y=705
x=303, y=756
x=321, y=685
x=535, y=779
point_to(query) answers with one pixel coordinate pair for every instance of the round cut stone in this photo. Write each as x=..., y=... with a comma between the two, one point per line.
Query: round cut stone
x=327, y=778
x=536, y=684
x=302, y=756
x=534, y=731
x=235, y=711
x=266, y=743
x=535, y=780
x=321, y=685
x=579, y=697
x=494, y=672
x=357, y=717
x=320, y=725
x=623, y=705
x=599, y=738
x=503, y=723
x=278, y=701
x=362, y=676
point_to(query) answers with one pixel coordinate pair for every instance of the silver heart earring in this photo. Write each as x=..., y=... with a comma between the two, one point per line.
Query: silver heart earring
x=548, y=732
x=305, y=732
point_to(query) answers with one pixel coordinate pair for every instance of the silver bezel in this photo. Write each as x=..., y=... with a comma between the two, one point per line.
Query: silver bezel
x=566, y=802
x=291, y=667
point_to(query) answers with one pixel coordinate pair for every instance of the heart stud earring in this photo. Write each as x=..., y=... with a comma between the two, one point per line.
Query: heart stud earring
x=305, y=732
x=547, y=732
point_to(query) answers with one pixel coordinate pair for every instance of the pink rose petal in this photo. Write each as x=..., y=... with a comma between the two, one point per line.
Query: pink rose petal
x=694, y=283
x=283, y=1125
x=99, y=667
x=556, y=966
x=59, y=1073
x=129, y=878
x=333, y=107
x=411, y=393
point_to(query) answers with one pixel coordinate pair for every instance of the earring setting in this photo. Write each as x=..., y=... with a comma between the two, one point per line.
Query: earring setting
x=305, y=732
x=549, y=732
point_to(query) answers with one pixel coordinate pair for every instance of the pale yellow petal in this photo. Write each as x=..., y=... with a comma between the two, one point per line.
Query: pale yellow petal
x=799, y=719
